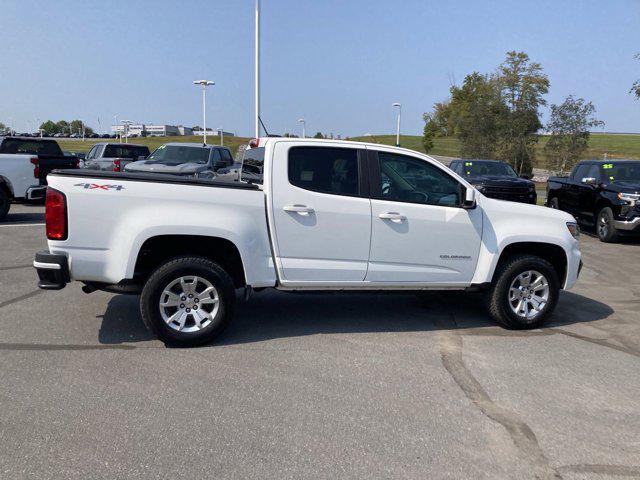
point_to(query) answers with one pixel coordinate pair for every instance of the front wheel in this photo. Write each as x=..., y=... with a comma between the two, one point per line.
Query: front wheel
x=524, y=293
x=604, y=226
x=187, y=301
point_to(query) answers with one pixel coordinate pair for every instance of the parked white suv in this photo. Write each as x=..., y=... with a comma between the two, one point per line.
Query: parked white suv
x=307, y=215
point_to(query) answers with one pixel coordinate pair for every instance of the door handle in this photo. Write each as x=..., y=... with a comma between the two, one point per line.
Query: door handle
x=299, y=209
x=393, y=216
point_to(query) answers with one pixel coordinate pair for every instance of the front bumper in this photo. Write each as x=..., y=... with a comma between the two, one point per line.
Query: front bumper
x=53, y=270
x=627, y=225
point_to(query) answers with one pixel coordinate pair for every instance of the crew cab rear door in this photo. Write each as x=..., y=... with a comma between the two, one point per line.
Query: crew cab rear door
x=321, y=212
x=420, y=233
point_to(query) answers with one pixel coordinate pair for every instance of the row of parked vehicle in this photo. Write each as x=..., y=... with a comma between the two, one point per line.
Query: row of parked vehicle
x=25, y=163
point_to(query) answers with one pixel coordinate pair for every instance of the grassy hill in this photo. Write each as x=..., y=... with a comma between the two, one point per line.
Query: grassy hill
x=616, y=146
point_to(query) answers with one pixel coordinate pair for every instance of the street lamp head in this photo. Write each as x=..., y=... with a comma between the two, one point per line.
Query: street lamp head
x=204, y=83
x=396, y=105
x=301, y=120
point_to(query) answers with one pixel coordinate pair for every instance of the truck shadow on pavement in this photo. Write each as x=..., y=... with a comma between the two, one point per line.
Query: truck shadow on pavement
x=20, y=218
x=271, y=315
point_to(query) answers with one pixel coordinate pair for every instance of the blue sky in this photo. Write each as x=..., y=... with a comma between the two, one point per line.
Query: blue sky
x=339, y=64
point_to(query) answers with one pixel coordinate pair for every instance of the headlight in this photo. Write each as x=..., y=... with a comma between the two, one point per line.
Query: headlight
x=574, y=229
x=630, y=198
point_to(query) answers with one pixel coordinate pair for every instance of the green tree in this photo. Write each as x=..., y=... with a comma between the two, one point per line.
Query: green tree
x=318, y=135
x=569, y=125
x=475, y=110
x=3, y=129
x=522, y=85
x=77, y=126
x=63, y=126
x=635, y=88
x=429, y=132
x=49, y=128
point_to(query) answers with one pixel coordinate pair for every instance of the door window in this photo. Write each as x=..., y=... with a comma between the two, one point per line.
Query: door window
x=594, y=172
x=226, y=156
x=92, y=153
x=406, y=179
x=581, y=172
x=325, y=170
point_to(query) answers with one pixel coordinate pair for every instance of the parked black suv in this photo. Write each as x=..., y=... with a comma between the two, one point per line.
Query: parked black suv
x=604, y=193
x=496, y=179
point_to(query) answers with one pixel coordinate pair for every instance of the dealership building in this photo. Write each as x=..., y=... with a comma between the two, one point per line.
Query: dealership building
x=141, y=129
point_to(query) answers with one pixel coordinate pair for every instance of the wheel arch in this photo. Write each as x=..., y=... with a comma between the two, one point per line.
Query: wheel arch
x=160, y=248
x=551, y=252
x=5, y=185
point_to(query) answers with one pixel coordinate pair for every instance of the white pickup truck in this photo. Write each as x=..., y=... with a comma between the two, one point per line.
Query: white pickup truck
x=24, y=165
x=305, y=215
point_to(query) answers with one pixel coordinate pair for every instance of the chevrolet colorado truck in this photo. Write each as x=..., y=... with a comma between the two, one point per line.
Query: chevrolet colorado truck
x=600, y=193
x=113, y=157
x=306, y=215
x=24, y=165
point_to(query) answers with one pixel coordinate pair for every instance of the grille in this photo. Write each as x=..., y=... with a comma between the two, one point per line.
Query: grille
x=515, y=194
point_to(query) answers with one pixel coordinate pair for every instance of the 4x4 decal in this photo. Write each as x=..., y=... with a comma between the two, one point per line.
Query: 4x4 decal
x=94, y=186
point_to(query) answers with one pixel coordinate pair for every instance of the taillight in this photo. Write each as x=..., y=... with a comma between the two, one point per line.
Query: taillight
x=36, y=167
x=254, y=143
x=55, y=214
x=116, y=166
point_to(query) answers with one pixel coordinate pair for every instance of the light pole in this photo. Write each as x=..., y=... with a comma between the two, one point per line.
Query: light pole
x=118, y=134
x=257, y=69
x=204, y=84
x=221, y=133
x=304, y=127
x=125, y=126
x=399, y=117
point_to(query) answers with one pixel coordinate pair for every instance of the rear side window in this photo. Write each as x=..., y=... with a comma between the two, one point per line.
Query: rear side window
x=226, y=156
x=253, y=165
x=325, y=170
x=581, y=172
x=125, y=151
x=30, y=147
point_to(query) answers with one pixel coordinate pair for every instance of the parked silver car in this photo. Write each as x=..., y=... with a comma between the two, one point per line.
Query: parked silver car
x=189, y=159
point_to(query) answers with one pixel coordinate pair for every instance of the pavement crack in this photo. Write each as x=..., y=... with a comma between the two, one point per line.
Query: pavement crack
x=16, y=267
x=62, y=347
x=521, y=434
x=21, y=297
x=597, y=341
x=613, y=470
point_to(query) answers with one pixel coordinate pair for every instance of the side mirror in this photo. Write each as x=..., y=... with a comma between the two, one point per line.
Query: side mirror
x=469, y=198
x=589, y=181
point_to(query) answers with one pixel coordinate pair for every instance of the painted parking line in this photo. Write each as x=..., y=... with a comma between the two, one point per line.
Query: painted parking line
x=22, y=225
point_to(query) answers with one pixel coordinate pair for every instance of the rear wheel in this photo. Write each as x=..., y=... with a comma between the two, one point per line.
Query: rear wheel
x=604, y=226
x=524, y=293
x=187, y=301
x=5, y=203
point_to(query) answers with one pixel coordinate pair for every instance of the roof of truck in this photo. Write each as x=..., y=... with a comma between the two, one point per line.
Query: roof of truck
x=191, y=144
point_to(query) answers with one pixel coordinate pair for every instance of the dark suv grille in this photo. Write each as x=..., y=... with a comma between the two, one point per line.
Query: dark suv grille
x=514, y=194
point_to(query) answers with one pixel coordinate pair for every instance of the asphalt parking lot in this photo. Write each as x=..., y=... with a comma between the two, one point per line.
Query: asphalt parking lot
x=319, y=386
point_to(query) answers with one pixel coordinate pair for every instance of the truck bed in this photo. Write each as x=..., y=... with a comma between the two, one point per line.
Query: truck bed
x=110, y=216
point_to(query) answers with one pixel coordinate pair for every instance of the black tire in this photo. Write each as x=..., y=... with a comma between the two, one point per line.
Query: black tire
x=604, y=226
x=499, y=305
x=167, y=273
x=5, y=203
x=553, y=203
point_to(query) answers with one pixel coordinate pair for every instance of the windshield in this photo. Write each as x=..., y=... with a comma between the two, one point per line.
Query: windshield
x=477, y=168
x=622, y=171
x=178, y=154
x=125, y=151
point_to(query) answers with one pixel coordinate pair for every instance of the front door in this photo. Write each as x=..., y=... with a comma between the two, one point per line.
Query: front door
x=420, y=233
x=321, y=212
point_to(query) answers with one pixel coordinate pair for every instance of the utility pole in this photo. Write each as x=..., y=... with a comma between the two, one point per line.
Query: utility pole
x=257, y=70
x=304, y=127
x=204, y=84
x=399, y=117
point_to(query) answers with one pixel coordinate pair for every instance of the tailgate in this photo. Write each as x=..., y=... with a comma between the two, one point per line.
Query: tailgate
x=48, y=163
